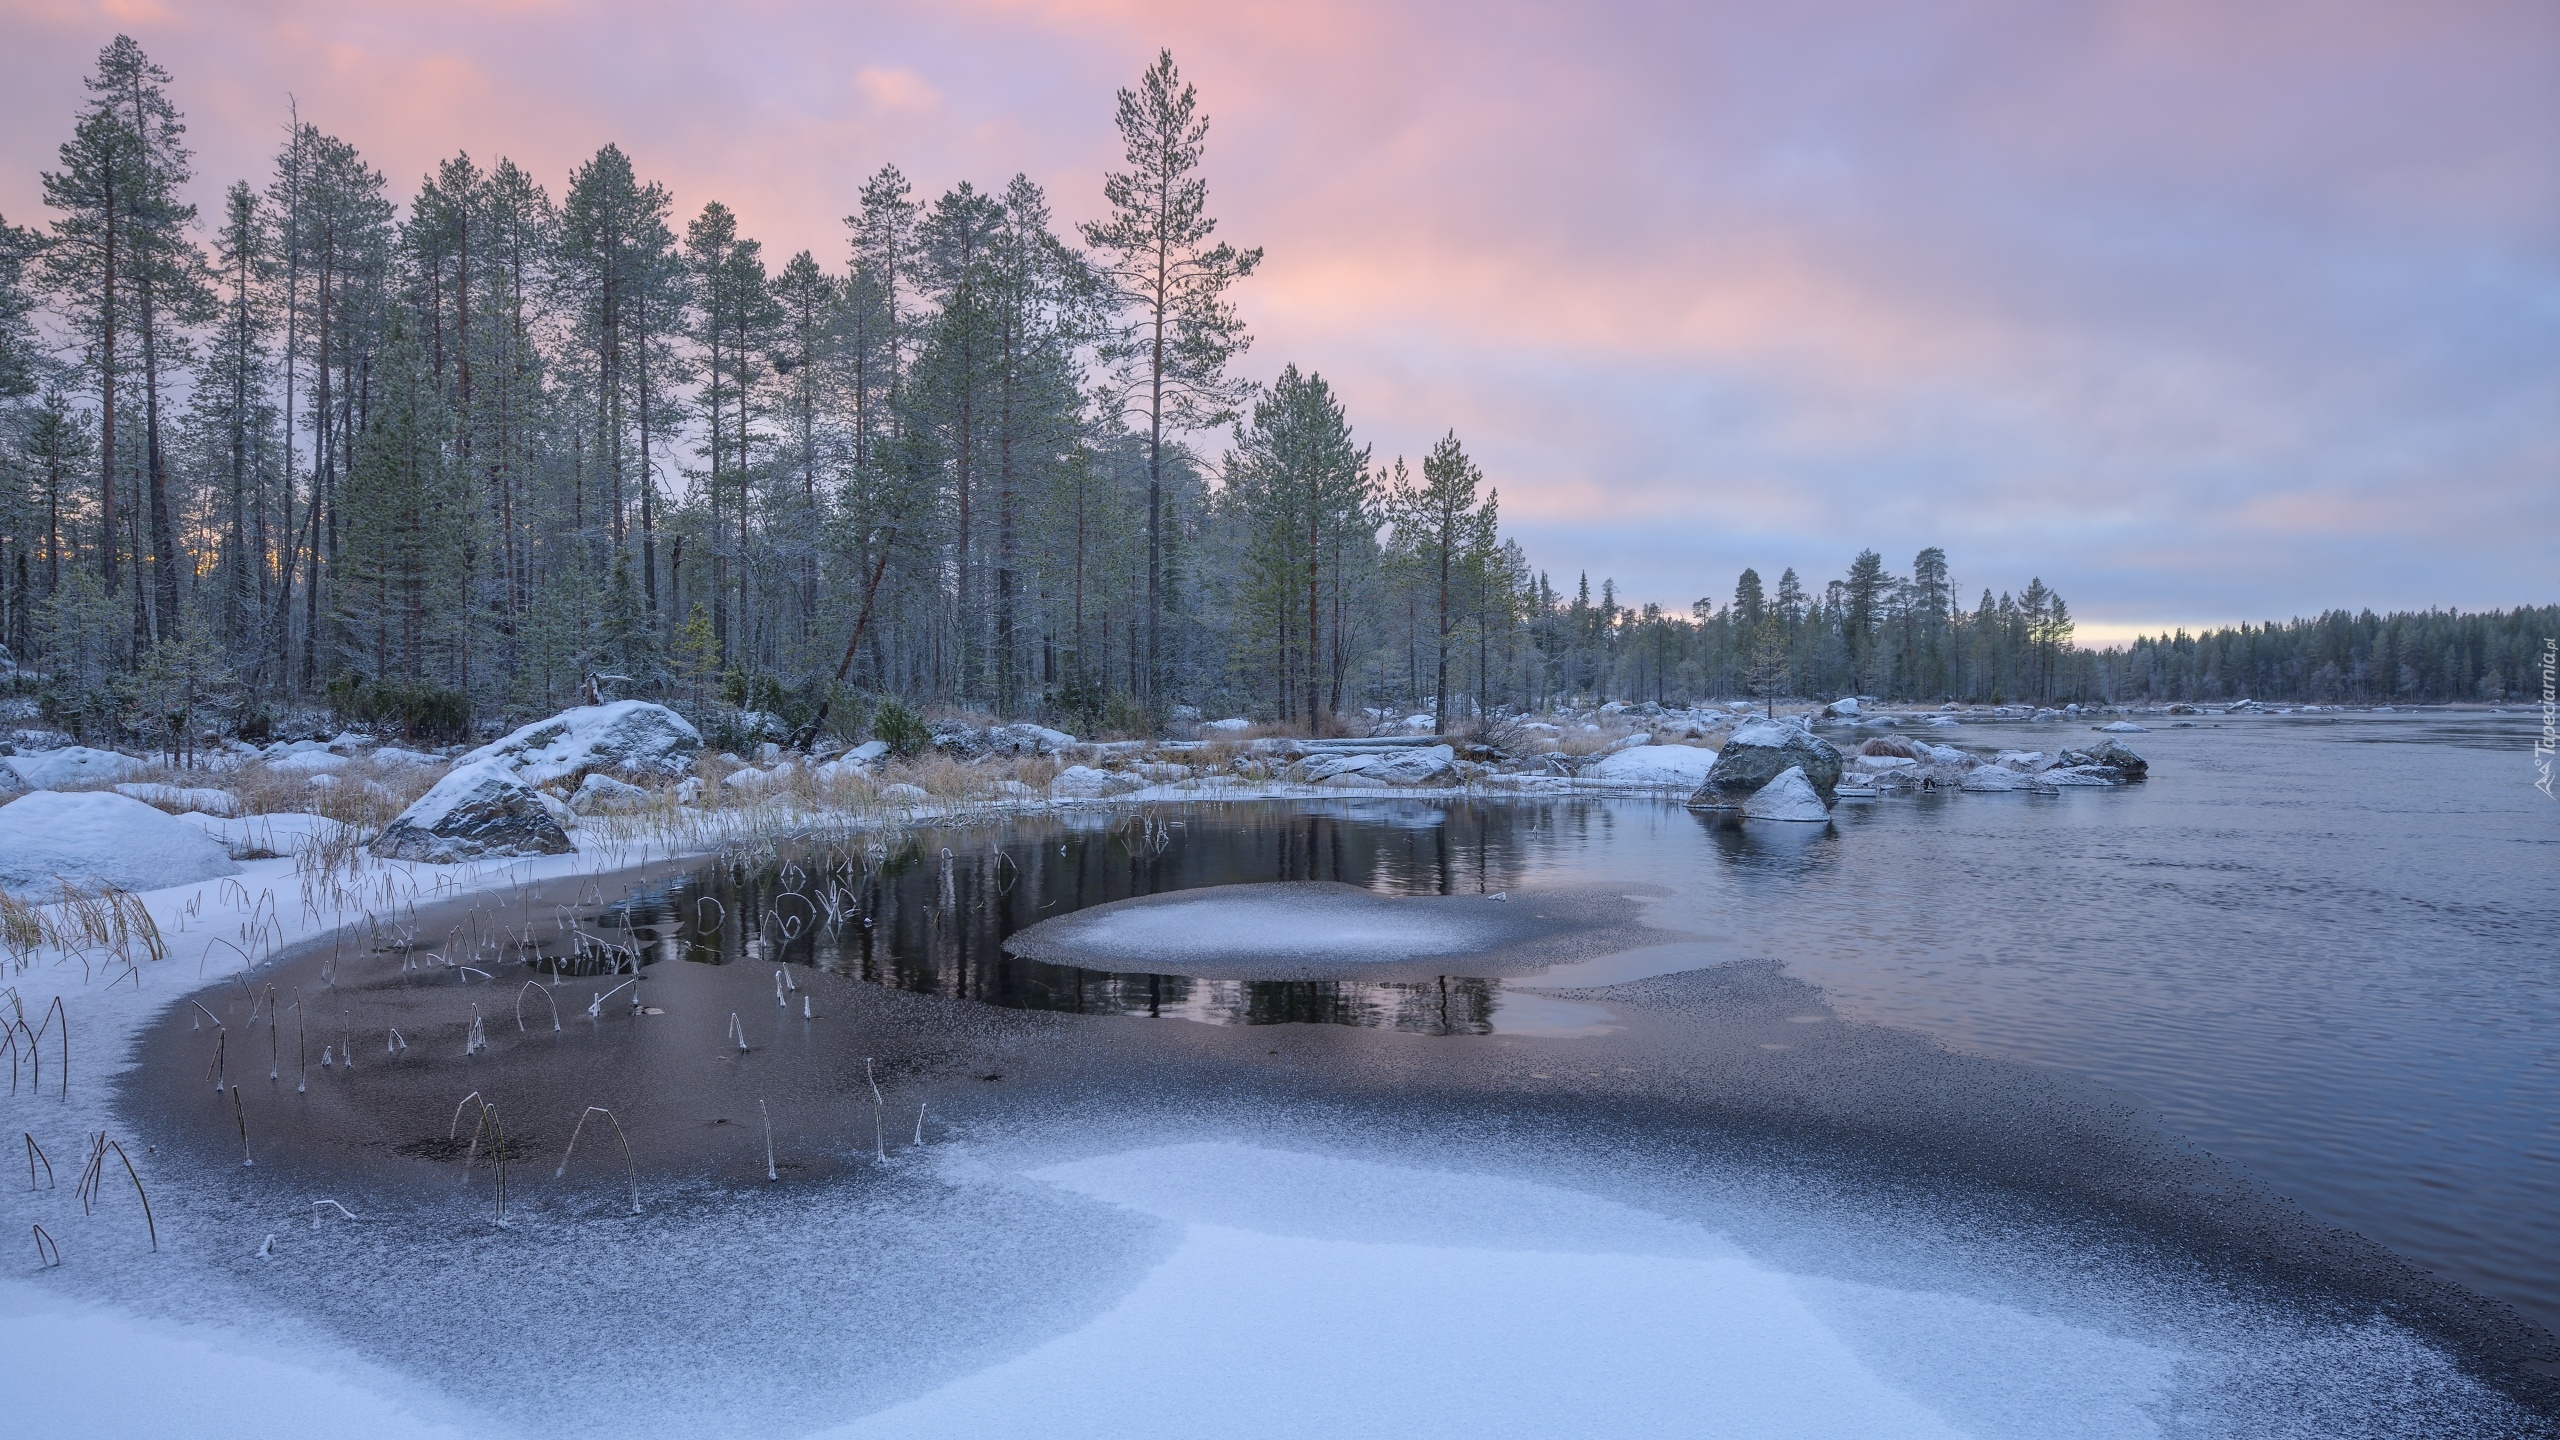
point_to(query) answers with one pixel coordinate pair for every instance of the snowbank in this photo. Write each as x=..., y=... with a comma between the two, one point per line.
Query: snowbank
x=102, y=838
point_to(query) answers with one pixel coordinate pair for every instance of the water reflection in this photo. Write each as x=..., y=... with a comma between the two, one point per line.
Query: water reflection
x=931, y=912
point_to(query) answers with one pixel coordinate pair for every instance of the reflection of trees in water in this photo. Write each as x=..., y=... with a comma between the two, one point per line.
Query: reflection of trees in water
x=930, y=911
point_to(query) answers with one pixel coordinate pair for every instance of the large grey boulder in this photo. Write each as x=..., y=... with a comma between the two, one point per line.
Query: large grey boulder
x=1758, y=752
x=476, y=812
x=2112, y=755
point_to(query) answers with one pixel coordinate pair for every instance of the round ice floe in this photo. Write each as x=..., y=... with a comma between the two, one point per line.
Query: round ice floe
x=1320, y=929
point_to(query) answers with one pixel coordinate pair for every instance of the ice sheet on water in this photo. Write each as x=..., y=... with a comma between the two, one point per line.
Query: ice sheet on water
x=1537, y=1310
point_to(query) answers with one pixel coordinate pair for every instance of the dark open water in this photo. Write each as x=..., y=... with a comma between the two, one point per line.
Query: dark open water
x=2323, y=948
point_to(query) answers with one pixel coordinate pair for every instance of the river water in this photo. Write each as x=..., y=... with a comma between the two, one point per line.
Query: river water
x=2321, y=947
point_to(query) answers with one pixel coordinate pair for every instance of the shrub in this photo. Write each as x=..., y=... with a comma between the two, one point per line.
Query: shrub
x=903, y=729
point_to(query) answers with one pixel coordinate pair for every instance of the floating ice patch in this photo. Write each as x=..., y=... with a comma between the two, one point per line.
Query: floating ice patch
x=1254, y=928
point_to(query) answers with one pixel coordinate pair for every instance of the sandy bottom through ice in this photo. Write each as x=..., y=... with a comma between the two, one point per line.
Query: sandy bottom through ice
x=1315, y=1295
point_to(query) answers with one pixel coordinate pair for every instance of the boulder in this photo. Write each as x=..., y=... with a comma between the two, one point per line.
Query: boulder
x=71, y=765
x=601, y=794
x=1844, y=708
x=1787, y=796
x=1413, y=765
x=102, y=838
x=1997, y=778
x=632, y=739
x=2113, y=755
x=2124, y=727
x=475, y=812
x=1757, y=753
x=1684, y=766
x=1085, y=781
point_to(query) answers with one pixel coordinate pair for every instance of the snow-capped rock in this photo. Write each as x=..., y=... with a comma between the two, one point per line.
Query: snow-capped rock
x=1788, y=796
x=601, y=794
x=632, y=739
x=177, y=798
x=476, y=811
x=1876, y=763
x=2112, y=755
x=1757, y=752
x=1228, y=726
x=1844, y=708
x=2124, y=727
x=1084, y=781
x=753, y=780
x=2024, y=761
x=317, y=760
x=102, y=838
x=2066, y=775
x=71, y=765
x=1416, y=765
x=1997, y=778
x=1685, y=766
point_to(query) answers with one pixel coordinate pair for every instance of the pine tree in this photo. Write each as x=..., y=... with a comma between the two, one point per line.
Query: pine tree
x=1185, y=330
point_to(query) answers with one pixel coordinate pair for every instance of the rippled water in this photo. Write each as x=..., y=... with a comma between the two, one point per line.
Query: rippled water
x=2322, y=948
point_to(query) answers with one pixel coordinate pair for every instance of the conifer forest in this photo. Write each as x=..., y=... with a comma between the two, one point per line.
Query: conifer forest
x=436, y=452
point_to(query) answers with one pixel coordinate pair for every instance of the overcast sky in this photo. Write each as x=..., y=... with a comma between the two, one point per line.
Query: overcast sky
x=2202, y=312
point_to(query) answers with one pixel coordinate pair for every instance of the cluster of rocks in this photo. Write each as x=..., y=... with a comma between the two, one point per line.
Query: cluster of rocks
x=1781, y=770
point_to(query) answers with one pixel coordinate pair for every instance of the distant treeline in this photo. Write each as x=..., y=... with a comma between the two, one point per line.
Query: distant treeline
x=2421, y=655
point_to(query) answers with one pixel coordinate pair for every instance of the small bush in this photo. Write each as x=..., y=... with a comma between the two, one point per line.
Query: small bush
x=903, y=729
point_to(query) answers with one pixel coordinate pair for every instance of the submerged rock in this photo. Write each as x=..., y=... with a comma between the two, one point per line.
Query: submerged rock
x=1789, y=796
x=1757, y=753
x=475, y=812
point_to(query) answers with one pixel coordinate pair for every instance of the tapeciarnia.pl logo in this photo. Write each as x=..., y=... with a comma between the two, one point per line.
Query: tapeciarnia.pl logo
x=2549, y=740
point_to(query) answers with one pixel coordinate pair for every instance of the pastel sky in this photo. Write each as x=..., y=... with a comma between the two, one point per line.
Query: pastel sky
x=2203, y=312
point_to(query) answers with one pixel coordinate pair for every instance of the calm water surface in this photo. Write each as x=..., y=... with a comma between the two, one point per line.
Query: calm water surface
x=2322, y=948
